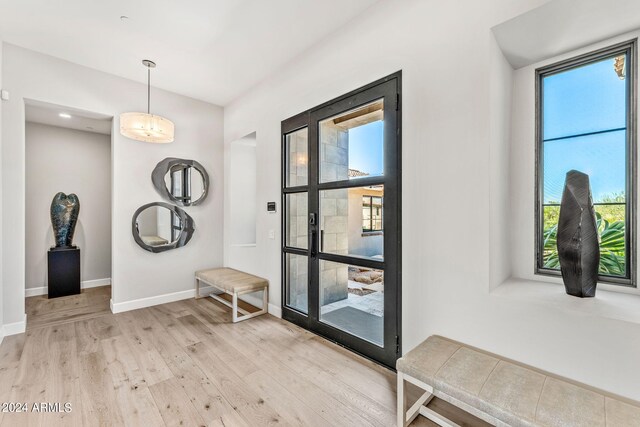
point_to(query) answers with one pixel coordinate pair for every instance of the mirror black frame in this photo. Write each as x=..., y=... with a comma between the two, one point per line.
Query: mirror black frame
x=161, y=170
x=188, y=227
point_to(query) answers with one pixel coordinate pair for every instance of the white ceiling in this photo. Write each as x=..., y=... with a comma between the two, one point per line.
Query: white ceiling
x=49, y=114
x=213, y=50
x=561, y=26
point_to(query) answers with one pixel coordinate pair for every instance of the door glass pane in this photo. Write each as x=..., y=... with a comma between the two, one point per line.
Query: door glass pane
x=296, y=220
x=352, y=144
x=351, y=221
x=296, y=232
x=296, y=273
x=297, y=158
x=352, y=300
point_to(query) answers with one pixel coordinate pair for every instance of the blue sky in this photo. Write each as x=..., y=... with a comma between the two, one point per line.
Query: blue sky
x=366, y=148
x=578, y=101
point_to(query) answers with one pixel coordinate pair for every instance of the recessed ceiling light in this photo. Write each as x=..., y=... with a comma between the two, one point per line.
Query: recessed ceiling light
x=65, y=115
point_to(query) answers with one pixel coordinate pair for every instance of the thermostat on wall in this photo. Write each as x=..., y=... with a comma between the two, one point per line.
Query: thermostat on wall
x=271, y=207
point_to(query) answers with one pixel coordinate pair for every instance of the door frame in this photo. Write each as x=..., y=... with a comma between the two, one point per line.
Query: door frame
x=393, y=240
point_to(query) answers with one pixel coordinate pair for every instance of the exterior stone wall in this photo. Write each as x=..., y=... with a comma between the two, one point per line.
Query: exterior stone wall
x=334, y=211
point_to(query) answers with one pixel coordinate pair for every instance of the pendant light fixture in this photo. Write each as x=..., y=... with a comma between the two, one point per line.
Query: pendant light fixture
x=147, y=127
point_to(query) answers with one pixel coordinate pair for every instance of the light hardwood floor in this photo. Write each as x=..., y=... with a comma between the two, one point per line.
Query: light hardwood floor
x=185, y=364
x=92, y=302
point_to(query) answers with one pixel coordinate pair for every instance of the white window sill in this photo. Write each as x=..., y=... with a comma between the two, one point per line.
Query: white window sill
x=606, y=304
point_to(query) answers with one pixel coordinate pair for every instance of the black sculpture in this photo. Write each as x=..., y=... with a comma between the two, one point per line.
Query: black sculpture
x=64, y=215
x=577, y=238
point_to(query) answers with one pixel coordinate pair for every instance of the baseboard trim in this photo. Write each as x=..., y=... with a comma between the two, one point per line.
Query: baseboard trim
x=43, y=290
x=135, y=304
x=96, y=283
x=34, y=292
x=15, y=328
x=275, y=310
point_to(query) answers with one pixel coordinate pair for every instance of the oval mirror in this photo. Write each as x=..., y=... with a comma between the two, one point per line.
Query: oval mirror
x=184, y=182
x=159, y=227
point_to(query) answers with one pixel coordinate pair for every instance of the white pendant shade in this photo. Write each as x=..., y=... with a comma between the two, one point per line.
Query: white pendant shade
x=146, y=127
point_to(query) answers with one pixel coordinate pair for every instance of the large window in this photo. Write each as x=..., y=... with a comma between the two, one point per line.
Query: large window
x=585, y=122
x=371, y=213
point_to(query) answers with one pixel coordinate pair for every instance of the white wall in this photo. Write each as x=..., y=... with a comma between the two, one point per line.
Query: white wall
x=500, y=88
x=243, y=191
x=243, y=257
x=70, y=161
x=455, y=124
x=1, y=213
x=136, y=273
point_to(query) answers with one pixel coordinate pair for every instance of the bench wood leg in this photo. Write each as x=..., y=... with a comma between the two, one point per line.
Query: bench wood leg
x=416, y=408
x=265, y=300
x=198, y=296
x=234, y=307
x=436, y=417
x=246, y=315
x=402, y=401
x=237, y=314
x=406, y=416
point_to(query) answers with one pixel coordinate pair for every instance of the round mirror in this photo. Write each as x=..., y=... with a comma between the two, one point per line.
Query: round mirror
x=159, y=227
x=184, y=182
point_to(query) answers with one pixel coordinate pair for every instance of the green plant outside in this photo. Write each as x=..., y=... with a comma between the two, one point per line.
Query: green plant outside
x=610, y=220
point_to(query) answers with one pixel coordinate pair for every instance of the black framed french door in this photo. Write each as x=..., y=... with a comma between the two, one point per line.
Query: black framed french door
x=341, y=222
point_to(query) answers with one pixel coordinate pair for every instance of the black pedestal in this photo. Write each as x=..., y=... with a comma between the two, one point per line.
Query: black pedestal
x=64, y=272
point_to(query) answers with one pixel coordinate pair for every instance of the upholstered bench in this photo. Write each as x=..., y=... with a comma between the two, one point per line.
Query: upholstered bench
x=502, y=392
x=234, y=283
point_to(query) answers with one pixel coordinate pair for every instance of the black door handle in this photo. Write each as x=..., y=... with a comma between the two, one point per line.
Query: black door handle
x=313, y=243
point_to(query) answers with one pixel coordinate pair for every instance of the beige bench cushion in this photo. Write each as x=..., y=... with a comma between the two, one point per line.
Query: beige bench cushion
x=232, y=280
x=154, y=240
x=511, y=392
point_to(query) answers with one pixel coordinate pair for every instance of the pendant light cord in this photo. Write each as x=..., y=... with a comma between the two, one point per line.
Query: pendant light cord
x=148, y=90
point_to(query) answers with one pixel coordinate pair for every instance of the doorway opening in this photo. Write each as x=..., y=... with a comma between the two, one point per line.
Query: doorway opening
x=69, y=151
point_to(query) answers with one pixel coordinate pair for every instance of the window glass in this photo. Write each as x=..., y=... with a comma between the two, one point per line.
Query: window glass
x=584, y=127
x=352, y=144
x=371, y=213
x=297, y=158
x=347, y=218
x=590, y=98
x=601, y=156
x=296, y=215
x=297, y=282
